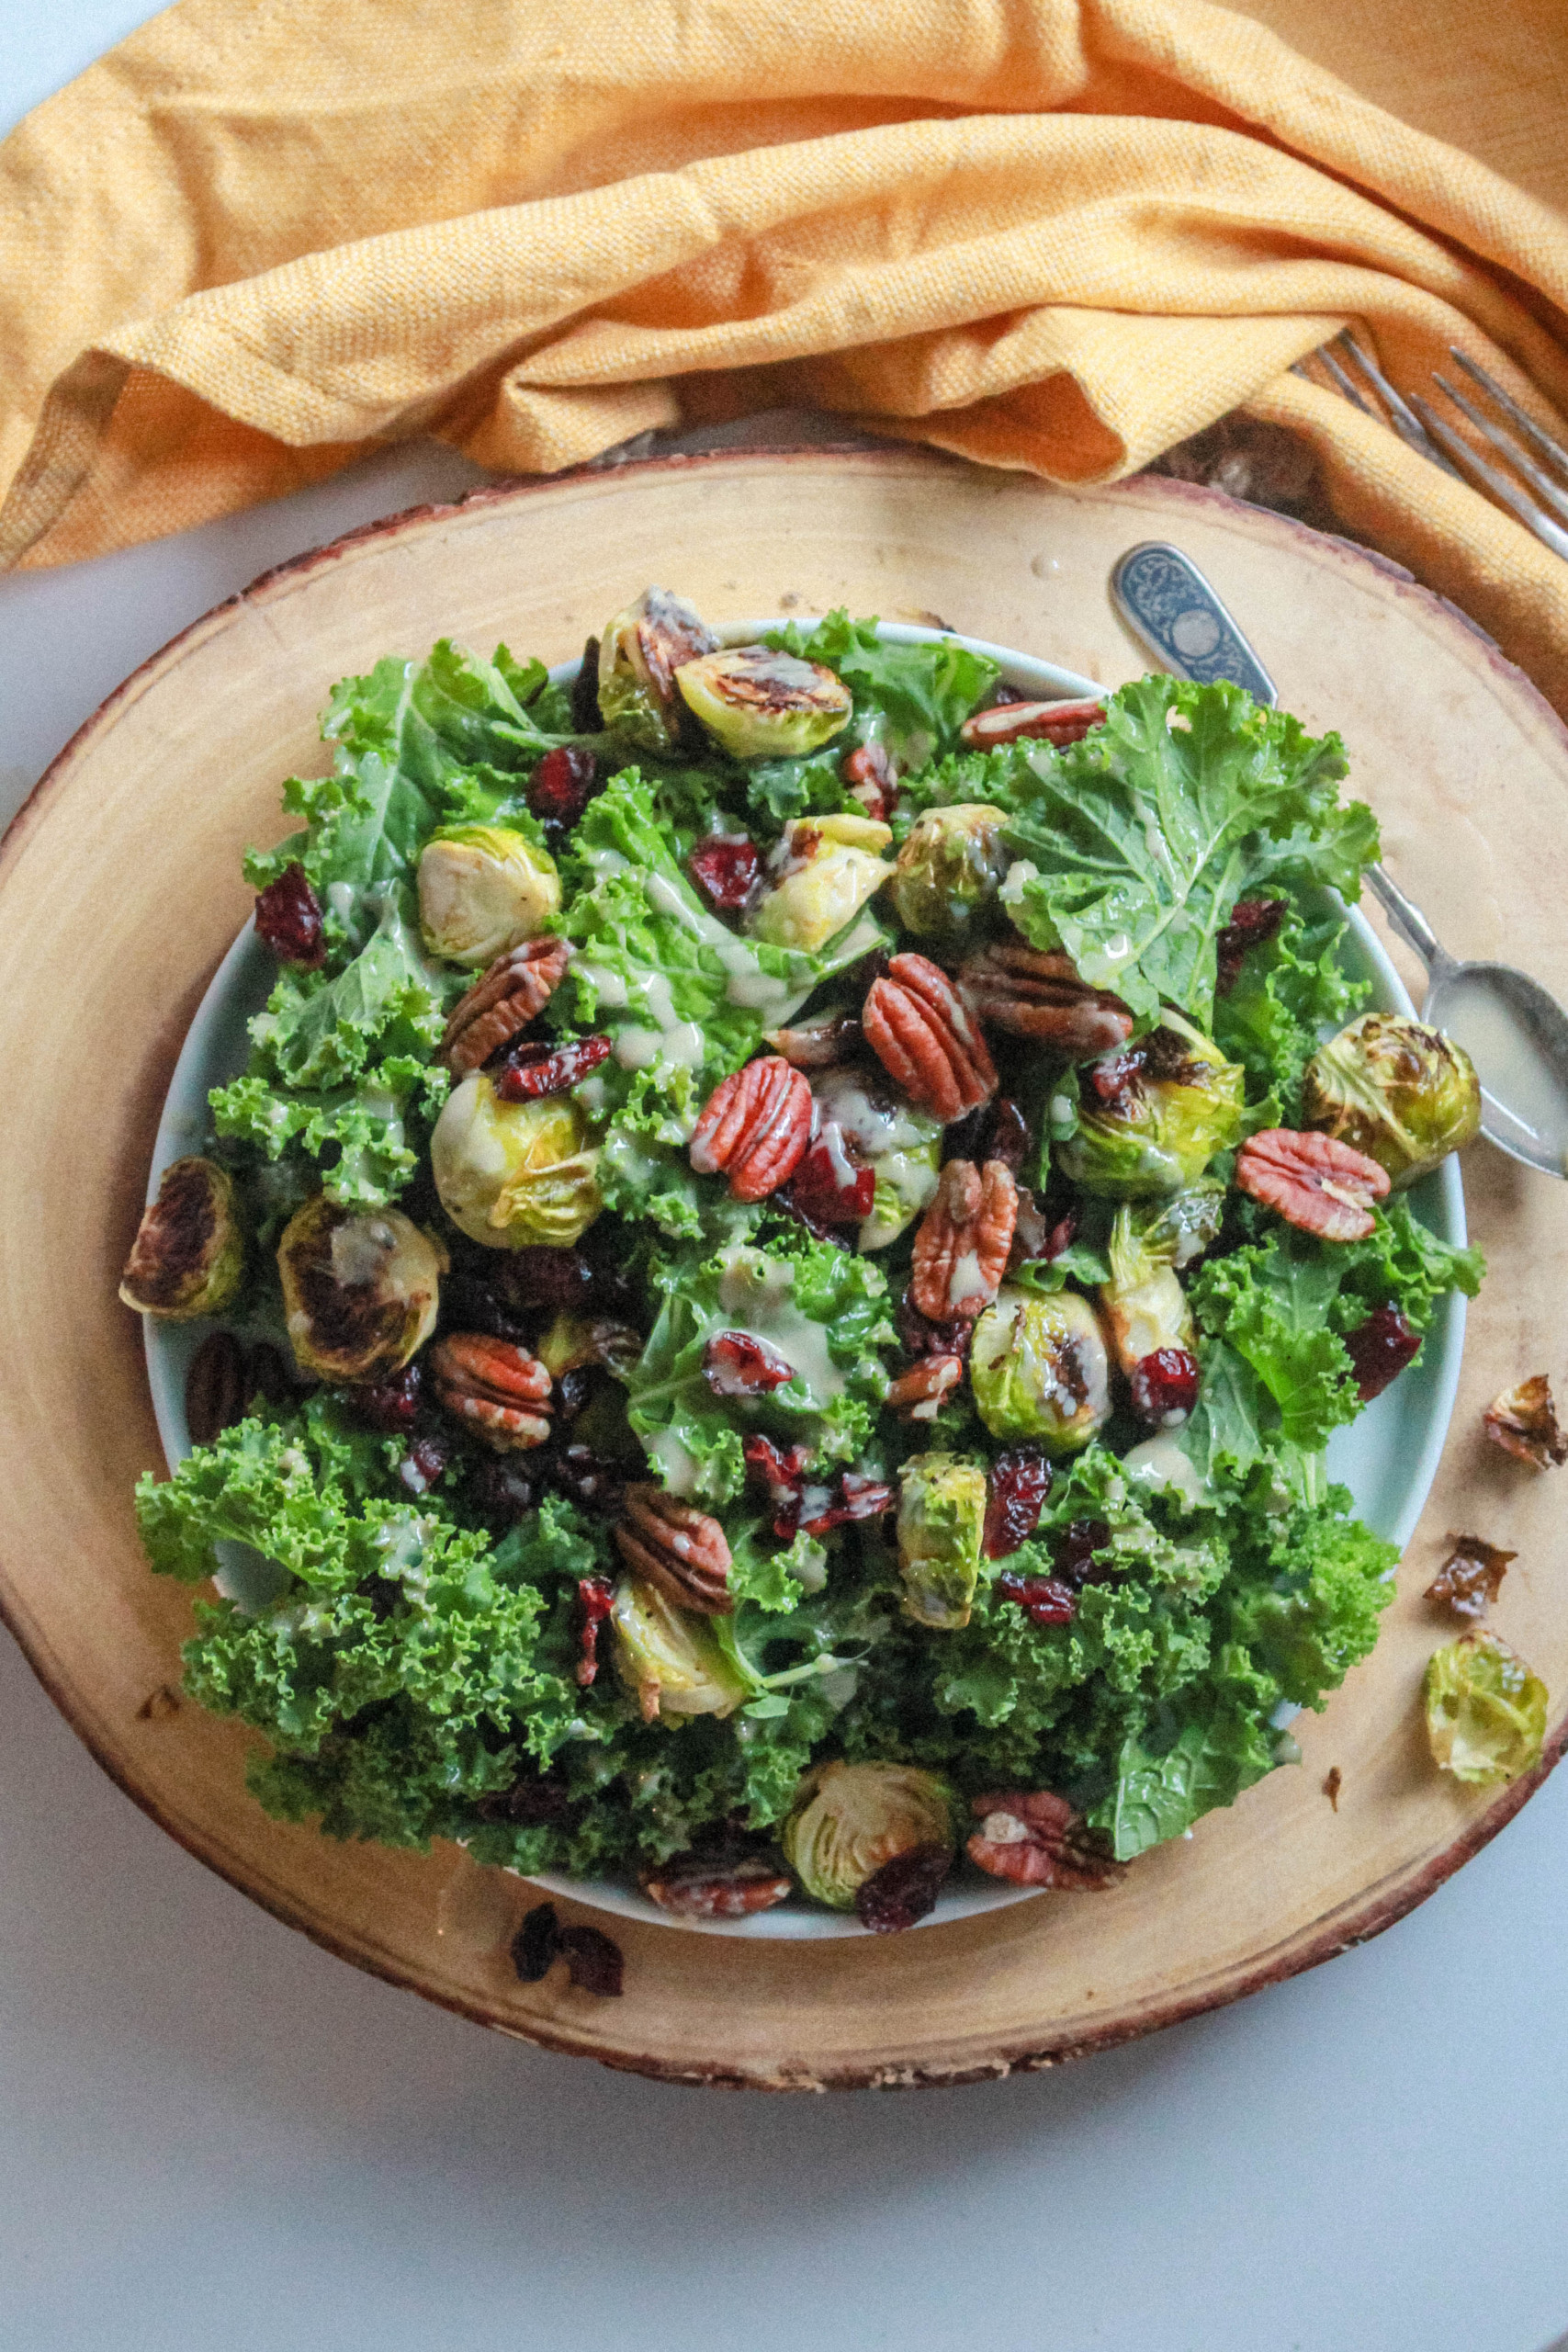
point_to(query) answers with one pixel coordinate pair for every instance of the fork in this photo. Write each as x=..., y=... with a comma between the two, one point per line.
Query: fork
x=1418, y=425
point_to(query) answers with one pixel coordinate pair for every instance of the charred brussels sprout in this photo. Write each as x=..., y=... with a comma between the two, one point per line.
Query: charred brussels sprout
x=671, y=1658
x=764, y=705
x=822, y=873
x=190, y=1252
x=1405, y=1095
x=360, y=1290
x=481, y=889
x=514, y=1173
x=941, y=1516
x=949, y=871
x=1039, y=1369
x=1485, y=1710
x=1143, y=1304
x=639, y=653
x=850, y=1819
x=1151, y=1116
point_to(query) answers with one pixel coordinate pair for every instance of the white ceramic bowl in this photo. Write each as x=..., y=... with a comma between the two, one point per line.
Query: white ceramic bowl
x=1388, y=1456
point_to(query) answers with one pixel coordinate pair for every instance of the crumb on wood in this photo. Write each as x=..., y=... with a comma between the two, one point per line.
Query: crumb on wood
x=1332, y=1786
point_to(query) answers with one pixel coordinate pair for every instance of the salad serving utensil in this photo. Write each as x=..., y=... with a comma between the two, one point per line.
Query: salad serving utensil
x=1514, y=1031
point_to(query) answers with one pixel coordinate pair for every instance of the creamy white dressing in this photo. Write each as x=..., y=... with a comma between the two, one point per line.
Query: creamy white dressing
x=879, y=1124
x=756, y=1293
x=360, y=1249
x=1515, y=1072
x=967, y=1280
x=1018, y=875
x=1159, y=1465
x=677, y=1461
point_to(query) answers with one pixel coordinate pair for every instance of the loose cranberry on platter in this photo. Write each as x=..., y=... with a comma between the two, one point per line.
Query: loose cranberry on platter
x=1379, y=1348
x=904, y=1890
x=562, y=785
x=288, y=918
x=1165, y=1388
x=726, y=868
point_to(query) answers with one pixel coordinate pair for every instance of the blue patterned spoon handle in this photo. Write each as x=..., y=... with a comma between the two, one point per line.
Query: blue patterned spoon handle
x=1167, y=601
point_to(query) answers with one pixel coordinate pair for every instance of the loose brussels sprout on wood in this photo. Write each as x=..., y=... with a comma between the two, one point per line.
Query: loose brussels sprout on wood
x=1152, y=1115
x=1039, y=1368
x=514, y=1173
x=190, y=1252
x=639, y=653
x=1143, y=1303
x=1485, y=1710
x=824, y=870
x=483, y=889
x=361, y=1290
x=1405, y=1095
x=764, y=705
x=949, y=871
x=850, y=1819
x=941, y=1516
x=671, y=1657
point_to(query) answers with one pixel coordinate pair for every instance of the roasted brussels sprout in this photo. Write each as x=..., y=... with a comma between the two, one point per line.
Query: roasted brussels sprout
x=481, y=889
x=189, y=1250
x=1405, y=1095
x=639, y=653
x=361, y=1289
x=949, y=871
x=849, y=1819
x=822, y=874
x=941, y=1516
x=1485, y=1710
x=671, y=1658
x=1144, y=1305
x=897, y=1141
x=514, y=1173
x=1152, y=1115
x=1039, y=1368
x=764, y=705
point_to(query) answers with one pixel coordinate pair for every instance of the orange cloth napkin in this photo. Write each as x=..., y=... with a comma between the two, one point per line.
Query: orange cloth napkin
x=1054, y=235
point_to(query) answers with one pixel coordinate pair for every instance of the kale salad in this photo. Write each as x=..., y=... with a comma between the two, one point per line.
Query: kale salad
x=778, y=1277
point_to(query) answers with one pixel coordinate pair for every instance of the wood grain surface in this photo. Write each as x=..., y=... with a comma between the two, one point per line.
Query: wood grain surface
x=119, y=890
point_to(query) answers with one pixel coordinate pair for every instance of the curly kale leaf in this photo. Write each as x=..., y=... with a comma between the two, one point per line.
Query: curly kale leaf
x=1286, y=996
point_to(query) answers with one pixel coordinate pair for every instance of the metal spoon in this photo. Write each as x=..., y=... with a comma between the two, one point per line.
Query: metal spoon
x=1515, y=1032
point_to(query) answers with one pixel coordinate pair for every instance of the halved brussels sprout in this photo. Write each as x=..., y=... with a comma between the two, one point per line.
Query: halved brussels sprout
x=1152, y=1115
x=671, y=1657
x=513, y=1174
x=481, y=889
x=898, y=1142
x=189, y=1250
x=1143, y=1304
x=949, y=871
x=1405, y=1095
x=574, y=1341
x=849, y=1819
x=361, y=1289
x=1485, y=1710
x=824, y=870
x=941, y=1516
x=1039, y=1368
x=764, y=705
x=639, y=653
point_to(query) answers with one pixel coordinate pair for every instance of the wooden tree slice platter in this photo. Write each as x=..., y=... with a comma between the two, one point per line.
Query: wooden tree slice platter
x=119, y=890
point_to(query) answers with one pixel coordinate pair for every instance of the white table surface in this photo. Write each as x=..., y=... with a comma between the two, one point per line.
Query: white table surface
x=213, y=2136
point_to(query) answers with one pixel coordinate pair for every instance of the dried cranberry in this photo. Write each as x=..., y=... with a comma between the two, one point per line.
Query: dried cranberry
x=1021, y=1482
x=921, y=1337
x=1253, y=922
x=819, y=1188
x=538, y=1802
x=859, y=1498
x=288, y=918
x=499, y=1491
x=531, y=1071
x=1379, y=1348
x=1047, y=1600
x=1074, y=1552
x=545, y=1275
x=873, y=779
x=589, y=1481
x=903, y=1889
x=595, y=1598
x=1165, y=1388
x=1116, y=1080
x=736, y=1365
x=536, y=1947
x=782, y=1476
x=424, y=1463
x=726, y=869
x=562, y=785
x=1061, y=1236
x=586, y=715
x=390, y=1406
x=998, y=1130
x=594, y=1962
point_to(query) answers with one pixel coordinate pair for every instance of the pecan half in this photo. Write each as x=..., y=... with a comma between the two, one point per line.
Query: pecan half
x=503, y=999
x=920, y=1031
x=1471, y=1577
x=1523, y=1421
x=1036, y=1840
x=1061, y=722
x=215, y=1388
x=717, y=1885
x=917, y=1394
x=961, y=1249
x=680, y=1551
x=1029, y=994
x=498, y=1389
x=1312, y=1181
x=754, y=1127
